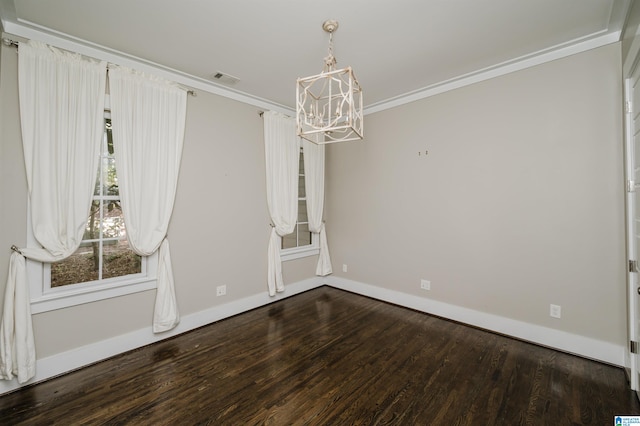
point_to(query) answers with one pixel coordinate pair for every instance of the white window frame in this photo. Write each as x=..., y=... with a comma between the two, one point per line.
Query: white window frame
x=306, y=250
x=45, y=298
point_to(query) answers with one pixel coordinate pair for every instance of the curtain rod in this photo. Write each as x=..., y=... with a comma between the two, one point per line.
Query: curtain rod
x=9, y=42
x=261, y=114
x=13, y=43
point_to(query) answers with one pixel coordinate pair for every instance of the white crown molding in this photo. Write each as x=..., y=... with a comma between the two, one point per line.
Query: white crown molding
x=537, y=58
x=619, y=14
x=617, y=18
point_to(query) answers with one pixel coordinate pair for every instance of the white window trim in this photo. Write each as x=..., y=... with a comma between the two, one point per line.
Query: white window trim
x=300, y=252
x=44, y=299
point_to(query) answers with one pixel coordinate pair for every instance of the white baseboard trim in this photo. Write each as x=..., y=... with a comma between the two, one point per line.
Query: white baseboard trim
x=544, y=336
x=66, y=362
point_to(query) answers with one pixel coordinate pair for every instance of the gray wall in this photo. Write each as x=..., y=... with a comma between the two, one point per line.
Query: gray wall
x=519, y=203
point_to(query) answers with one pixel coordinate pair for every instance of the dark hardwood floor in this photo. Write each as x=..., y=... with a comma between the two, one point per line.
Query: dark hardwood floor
x=329, y=357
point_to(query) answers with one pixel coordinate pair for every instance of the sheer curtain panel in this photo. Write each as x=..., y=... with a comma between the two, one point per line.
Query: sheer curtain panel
x=282, y=154
x=148, y=119
x=61, y=113
x=314, y=187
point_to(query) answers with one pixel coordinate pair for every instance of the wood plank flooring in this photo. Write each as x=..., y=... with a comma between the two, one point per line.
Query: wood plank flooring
x=329, y=357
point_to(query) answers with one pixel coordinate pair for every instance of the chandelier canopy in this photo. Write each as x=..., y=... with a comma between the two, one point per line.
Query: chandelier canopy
x=329, y=104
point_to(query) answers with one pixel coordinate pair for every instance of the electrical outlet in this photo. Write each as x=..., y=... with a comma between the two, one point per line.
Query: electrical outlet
x=221, y=290
x=425, y=285
x=344, y=267
x=555, y=311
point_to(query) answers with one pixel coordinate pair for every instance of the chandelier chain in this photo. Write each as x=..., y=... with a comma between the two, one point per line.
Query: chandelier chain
x=330, y=61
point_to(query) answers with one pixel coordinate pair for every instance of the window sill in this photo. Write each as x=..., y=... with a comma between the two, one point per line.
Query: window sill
x=299, y=252
x=64, y=298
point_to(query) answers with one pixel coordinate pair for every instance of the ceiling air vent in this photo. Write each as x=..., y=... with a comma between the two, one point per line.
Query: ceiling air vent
x=224, y=78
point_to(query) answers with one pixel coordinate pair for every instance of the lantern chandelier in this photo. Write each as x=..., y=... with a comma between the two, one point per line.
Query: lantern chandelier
x=329, y=104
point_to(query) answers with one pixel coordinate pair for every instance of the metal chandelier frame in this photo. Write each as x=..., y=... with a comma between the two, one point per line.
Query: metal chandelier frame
x=329, y=104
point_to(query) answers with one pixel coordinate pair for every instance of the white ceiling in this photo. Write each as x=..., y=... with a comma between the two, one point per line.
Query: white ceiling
x=398, y=49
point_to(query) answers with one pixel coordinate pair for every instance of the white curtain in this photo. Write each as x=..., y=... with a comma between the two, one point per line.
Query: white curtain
x=148, y=116
x=282, y=154
x=314, y=187
x=62, y=119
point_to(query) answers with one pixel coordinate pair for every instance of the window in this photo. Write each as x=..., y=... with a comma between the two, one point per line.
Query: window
x=104, y=252
x=301, y=242
x=104, y=265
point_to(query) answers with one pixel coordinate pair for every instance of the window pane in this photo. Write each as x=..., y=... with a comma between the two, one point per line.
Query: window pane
x=109, y=132
x=80, y=267
x=110, y=178
x=302, y=211
x=92, y=231
x=304, y=236
x=96, y=190
x=301, y=189
x=112, y=220
x=291, y=240
x=119, y=260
